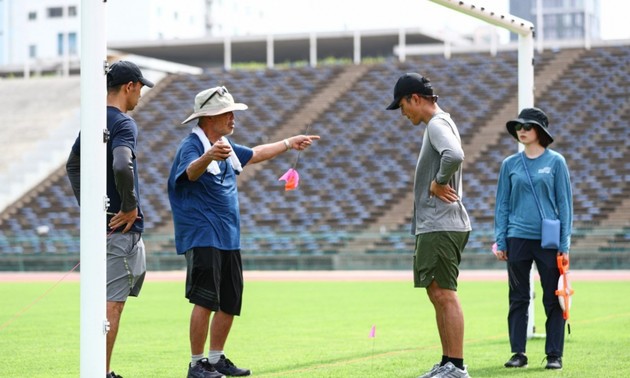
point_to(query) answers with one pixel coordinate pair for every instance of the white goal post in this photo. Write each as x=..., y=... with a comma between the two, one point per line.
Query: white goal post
x=93, y=322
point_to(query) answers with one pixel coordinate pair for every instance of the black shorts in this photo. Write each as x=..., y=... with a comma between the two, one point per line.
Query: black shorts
x=214, y=279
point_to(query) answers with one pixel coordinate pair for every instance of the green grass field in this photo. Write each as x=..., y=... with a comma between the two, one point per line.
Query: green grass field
x=314, y=329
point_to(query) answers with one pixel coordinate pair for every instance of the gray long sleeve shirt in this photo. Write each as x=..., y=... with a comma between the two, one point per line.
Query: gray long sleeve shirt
x=440, y=159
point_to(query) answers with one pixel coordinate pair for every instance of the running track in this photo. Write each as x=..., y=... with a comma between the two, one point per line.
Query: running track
x=308, y=275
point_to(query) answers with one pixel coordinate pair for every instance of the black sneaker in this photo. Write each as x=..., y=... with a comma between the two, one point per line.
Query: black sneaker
x=226, y=367
x=203, y=369
x=554, y=362
x=111, y=374
x=518, y=360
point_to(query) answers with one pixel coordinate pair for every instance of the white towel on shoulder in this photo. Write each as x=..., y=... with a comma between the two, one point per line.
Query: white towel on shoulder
x=213, y=167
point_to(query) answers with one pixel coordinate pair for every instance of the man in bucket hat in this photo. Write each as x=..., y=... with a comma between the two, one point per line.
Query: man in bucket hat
x=440, y=222
x=126, y=264
x=204, y=200
x=538, y=176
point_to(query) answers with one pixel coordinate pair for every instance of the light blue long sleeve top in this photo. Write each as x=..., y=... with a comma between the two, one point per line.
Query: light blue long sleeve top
x=516, y=214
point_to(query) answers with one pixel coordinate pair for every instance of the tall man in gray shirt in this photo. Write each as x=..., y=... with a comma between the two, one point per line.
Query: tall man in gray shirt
x=440, y=221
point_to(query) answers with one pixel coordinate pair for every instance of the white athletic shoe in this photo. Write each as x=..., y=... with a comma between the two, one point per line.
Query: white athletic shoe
x=432, y=372
x=451, y=371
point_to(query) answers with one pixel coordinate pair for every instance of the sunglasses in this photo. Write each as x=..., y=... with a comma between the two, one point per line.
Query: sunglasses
x=525, y=126
x=221, y=91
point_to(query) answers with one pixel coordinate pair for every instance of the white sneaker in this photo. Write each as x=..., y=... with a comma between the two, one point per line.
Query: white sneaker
x=451, y=371
x=432, y=372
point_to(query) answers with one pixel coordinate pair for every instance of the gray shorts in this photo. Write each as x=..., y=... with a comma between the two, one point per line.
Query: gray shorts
x=126, y=265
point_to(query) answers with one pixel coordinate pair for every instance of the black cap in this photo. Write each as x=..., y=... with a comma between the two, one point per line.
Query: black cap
x=123, y=72
x=530, y=115
x=410, y=83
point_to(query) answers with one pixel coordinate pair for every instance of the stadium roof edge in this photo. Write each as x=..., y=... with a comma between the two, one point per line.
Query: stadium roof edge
x=209, y=51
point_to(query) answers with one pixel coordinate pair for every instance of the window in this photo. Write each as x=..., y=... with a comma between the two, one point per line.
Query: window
x=55, y=12
x=72, y=11
x=553, y=4
x=32, y=51
x=72, y=43
x=579, y=20
x=567, y=20
x=32, y=16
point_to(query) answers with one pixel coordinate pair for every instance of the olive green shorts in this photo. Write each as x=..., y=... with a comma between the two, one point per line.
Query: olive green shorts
x=437, y=257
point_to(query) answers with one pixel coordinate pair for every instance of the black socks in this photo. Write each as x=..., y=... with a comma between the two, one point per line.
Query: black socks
x=458, y=362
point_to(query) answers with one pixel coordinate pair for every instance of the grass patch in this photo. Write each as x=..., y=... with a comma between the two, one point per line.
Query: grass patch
x=314, y=329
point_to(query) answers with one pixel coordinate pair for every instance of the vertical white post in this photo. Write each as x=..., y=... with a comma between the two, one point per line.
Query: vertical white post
x=27, y=64
x=227, y=54
x=270, y=51
x=93, y=188
x=27, y=51
x=587, y=25
x=526, y=100
x=539, y=26
x=525, y=71
x=65, y=64
x=494, y=44
x=357, y=47
x=402, y=45
x=531, y=316
x=313, y=50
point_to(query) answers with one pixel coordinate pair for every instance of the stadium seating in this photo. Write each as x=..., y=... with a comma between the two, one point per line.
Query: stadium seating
x=39, y=121
x=365, y=161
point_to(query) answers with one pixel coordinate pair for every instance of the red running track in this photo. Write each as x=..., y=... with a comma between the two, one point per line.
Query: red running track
x=319, y=275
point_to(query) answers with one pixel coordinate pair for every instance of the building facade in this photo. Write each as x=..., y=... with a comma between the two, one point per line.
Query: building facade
x=38, y=29
x=44, y=32
x=561, y=19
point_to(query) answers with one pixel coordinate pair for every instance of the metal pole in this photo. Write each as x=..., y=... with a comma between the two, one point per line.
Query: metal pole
x=93, y=187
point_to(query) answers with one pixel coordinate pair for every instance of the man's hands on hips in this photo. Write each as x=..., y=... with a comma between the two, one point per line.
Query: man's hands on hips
x=444, y=192
x=125, y=219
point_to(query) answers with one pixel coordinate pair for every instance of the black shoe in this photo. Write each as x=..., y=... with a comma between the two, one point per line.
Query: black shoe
x=518, y=360
x=554, y=362
x=226, y=367
x=113, y=375
x=203, y=369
